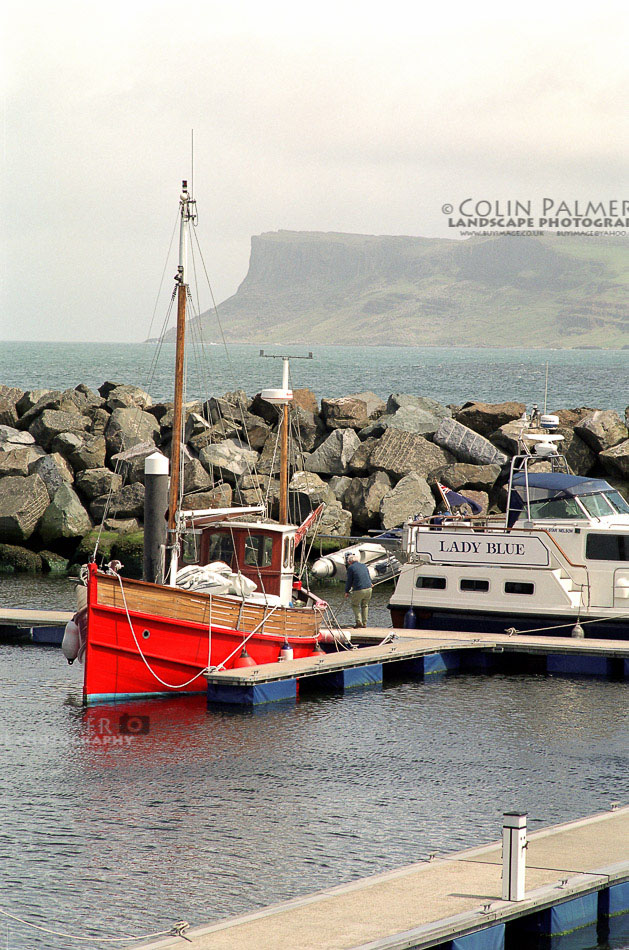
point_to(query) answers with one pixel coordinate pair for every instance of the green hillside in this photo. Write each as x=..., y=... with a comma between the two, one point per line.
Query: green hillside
x=498, y=291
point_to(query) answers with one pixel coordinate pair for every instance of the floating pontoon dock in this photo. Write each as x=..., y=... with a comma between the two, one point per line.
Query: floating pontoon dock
x=36, y=626
x=577, y=876
x=416, y=654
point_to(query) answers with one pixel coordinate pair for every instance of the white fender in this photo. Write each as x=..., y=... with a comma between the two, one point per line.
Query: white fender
x=71, y=641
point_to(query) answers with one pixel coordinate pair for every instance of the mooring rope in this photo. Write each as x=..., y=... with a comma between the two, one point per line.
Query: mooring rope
x=178, y=929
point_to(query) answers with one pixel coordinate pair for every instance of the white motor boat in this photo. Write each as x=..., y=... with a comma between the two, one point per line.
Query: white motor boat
x=555, y=563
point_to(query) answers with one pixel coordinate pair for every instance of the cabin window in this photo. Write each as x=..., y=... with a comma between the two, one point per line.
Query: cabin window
x=607, y=547
x=191, y=547
x=431, y=583
x=220, y=548
x=556, y=509
x=519, y=587
x=289, y=549
x=258, y=550
x=618, y=502
x=471, y=583
x=596, y=505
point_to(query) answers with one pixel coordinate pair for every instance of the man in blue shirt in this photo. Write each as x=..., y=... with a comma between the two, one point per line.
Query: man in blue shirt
x=359, y=584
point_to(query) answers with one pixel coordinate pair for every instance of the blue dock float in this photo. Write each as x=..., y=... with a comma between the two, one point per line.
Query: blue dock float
x=383, y=654
x=25, y=625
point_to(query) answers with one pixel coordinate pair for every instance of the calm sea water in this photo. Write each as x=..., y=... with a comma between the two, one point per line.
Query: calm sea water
x=597, y=378
x=212, y=813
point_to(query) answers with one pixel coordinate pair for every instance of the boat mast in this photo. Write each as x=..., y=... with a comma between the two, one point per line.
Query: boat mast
x=187, y=207
x=284, y=448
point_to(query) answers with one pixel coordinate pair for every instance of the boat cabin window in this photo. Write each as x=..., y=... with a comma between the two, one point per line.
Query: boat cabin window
x=220, y=548
x=519, y=587
x=607, y=547
x=555, y=509
x=431, y=583
x=597, y=505
x=289, y=552
x=471, y=583
x=617, y=502
x=191, y=547
x=258, y=550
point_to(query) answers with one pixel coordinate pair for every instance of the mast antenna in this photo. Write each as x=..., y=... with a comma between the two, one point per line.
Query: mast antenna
x=192, y=162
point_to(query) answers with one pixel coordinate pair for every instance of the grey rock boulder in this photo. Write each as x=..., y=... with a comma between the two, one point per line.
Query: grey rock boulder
x=339, y=485
x=228, y=460
x=350, y=412
x=8, y=412
x=363, y=498
x=398, y=453
x=53, y=471
x=306, y=491
x=602, y=430
x=128, y=397
x=129, y=427
x=305, y=399
x=463, y=475
x=99, y=419
x=10, y=438
x=81, y=451
x=616, y=460
x=418, y=414
x=128, y=502
x=334, y=521
x=579, y=456
x=65, y=517
x=51, y=422
x=218, y=497
x=333, y=456
x=97, y=482
x=486, y=417
x=308, y=430
x=312, y=485
x=23, y=501
x=195, y=477
x=30, y=398
x=360, y=462
x=269, y=461
x=19, y=460
x=195, y=425
x=467, y=445
x=411, y=497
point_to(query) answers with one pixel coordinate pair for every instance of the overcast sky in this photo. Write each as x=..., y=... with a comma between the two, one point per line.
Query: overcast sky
x=331, y=116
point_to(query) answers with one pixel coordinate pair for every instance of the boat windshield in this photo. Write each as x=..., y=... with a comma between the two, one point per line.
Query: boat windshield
x=556, y=509
x=597, y=505
x=618, y=502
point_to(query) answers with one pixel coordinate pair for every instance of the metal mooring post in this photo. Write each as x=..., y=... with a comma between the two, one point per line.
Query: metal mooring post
x=155, y=506
x=513, y=855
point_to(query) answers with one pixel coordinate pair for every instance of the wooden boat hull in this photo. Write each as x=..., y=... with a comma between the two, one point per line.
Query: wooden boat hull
x=140, y=639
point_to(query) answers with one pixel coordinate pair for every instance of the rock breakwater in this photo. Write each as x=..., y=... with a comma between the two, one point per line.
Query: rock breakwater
x=72, y=462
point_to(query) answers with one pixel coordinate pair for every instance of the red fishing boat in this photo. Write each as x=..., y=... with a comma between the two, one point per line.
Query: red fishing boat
x=234, y=602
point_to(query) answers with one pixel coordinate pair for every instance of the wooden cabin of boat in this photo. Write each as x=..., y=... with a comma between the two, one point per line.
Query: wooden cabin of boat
x=264, y=553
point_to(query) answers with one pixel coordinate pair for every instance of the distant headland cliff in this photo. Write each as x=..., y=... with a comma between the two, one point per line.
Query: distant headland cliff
x=316, y=287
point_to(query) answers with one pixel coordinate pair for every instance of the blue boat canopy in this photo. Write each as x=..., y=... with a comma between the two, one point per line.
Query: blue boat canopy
x=555, y=483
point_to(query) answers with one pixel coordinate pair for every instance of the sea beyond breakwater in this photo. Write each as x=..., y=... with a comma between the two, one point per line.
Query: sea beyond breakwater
x=72, y=460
